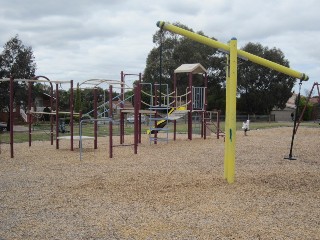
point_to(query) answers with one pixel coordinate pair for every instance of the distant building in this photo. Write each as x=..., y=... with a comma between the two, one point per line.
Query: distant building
x=285, y=114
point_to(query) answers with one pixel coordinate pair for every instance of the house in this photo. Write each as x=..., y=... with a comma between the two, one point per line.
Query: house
x=286, y=113
x=40, y=102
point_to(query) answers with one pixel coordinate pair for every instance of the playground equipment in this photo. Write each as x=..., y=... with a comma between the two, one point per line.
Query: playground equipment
x=231, y=85
x=315, y=85
x=110, y=121
x=213, y=124
x=196, y=96
x=174, y=114
x=169, y=107
x=30, y=83
x=60, y=127
x=177, y=106
x=108, y=107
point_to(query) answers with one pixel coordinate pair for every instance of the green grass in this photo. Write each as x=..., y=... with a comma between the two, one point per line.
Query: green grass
x=41, y=132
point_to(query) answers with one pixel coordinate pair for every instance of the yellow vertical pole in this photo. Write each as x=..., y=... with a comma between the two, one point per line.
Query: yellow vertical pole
x=232, y=112
x=226, y=126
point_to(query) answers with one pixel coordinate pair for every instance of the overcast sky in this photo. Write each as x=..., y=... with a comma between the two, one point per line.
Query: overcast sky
x=84, y=39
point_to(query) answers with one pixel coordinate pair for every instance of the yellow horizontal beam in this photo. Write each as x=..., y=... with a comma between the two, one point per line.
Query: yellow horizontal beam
x=216, y=44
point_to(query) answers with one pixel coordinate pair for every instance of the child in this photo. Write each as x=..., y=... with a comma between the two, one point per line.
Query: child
x=245, y=127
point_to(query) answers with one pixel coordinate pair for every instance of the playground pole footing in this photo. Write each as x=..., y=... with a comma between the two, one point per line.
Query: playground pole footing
x=290, y=158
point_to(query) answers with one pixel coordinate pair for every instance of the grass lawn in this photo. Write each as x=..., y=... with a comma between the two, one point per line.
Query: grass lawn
x=41, y=132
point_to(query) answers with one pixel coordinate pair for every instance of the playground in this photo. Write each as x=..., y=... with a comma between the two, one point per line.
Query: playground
x=159, y=183
x=166, y=191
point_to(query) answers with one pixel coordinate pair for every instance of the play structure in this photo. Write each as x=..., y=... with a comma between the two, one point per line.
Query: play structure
x=316, y=116
x=175, y=106
x=161, y=109
x=31, y=112
x=231, y=87
x=54, y=113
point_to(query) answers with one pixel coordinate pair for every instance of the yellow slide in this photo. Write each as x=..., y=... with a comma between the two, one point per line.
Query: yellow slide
x=173, y=114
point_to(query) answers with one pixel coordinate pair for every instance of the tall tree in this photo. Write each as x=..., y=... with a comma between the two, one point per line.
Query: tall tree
x=16, y=60
x=260, y=88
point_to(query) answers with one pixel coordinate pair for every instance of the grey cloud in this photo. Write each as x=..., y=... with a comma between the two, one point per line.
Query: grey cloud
x=76, y=39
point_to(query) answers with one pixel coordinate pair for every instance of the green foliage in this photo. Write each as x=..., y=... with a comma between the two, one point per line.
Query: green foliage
x=16, y=60
x=261, y=89
x=307, y=116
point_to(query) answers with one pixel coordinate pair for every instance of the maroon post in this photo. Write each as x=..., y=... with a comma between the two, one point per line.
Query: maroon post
x=136, y=116
x=29, y=110
x=121, y=106
x=95, y=115
x=71, y=114
x=122, y=89
x=139, y=107
x=110, y=115
x=175, y=105
x=155, y=103
x=121, y=127
x=218, y=124
x=57, y=116
x=51, y=116
x=11, y=116
x=204, y=125
x=190, y=108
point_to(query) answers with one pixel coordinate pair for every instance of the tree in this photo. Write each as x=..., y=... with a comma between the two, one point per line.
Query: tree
x=177, y=50
x=16, y=60
x=77, y=102
x=261, y=89
x=307, y=116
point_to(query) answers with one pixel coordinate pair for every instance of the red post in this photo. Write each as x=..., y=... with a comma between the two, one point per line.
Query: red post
x=155, y=103
x=122, y=89
x=57, y=116
x=121, y=106
x=218, y=124
x=136, y=116
x=110, y=115
x=175, y=105
x=71, y=114
x=80, y=117
x=29, y=111
x=139, y=107
x=121, y=127
x=190, y=108
x=11, y=115
x=95, y=115
x=204, y=125
x=51, y=116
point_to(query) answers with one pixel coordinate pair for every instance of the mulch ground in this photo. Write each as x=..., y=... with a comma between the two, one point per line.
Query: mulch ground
x=166, y=191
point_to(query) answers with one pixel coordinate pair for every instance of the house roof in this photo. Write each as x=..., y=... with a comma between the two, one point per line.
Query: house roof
x=193, y=68
x=291, y=103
